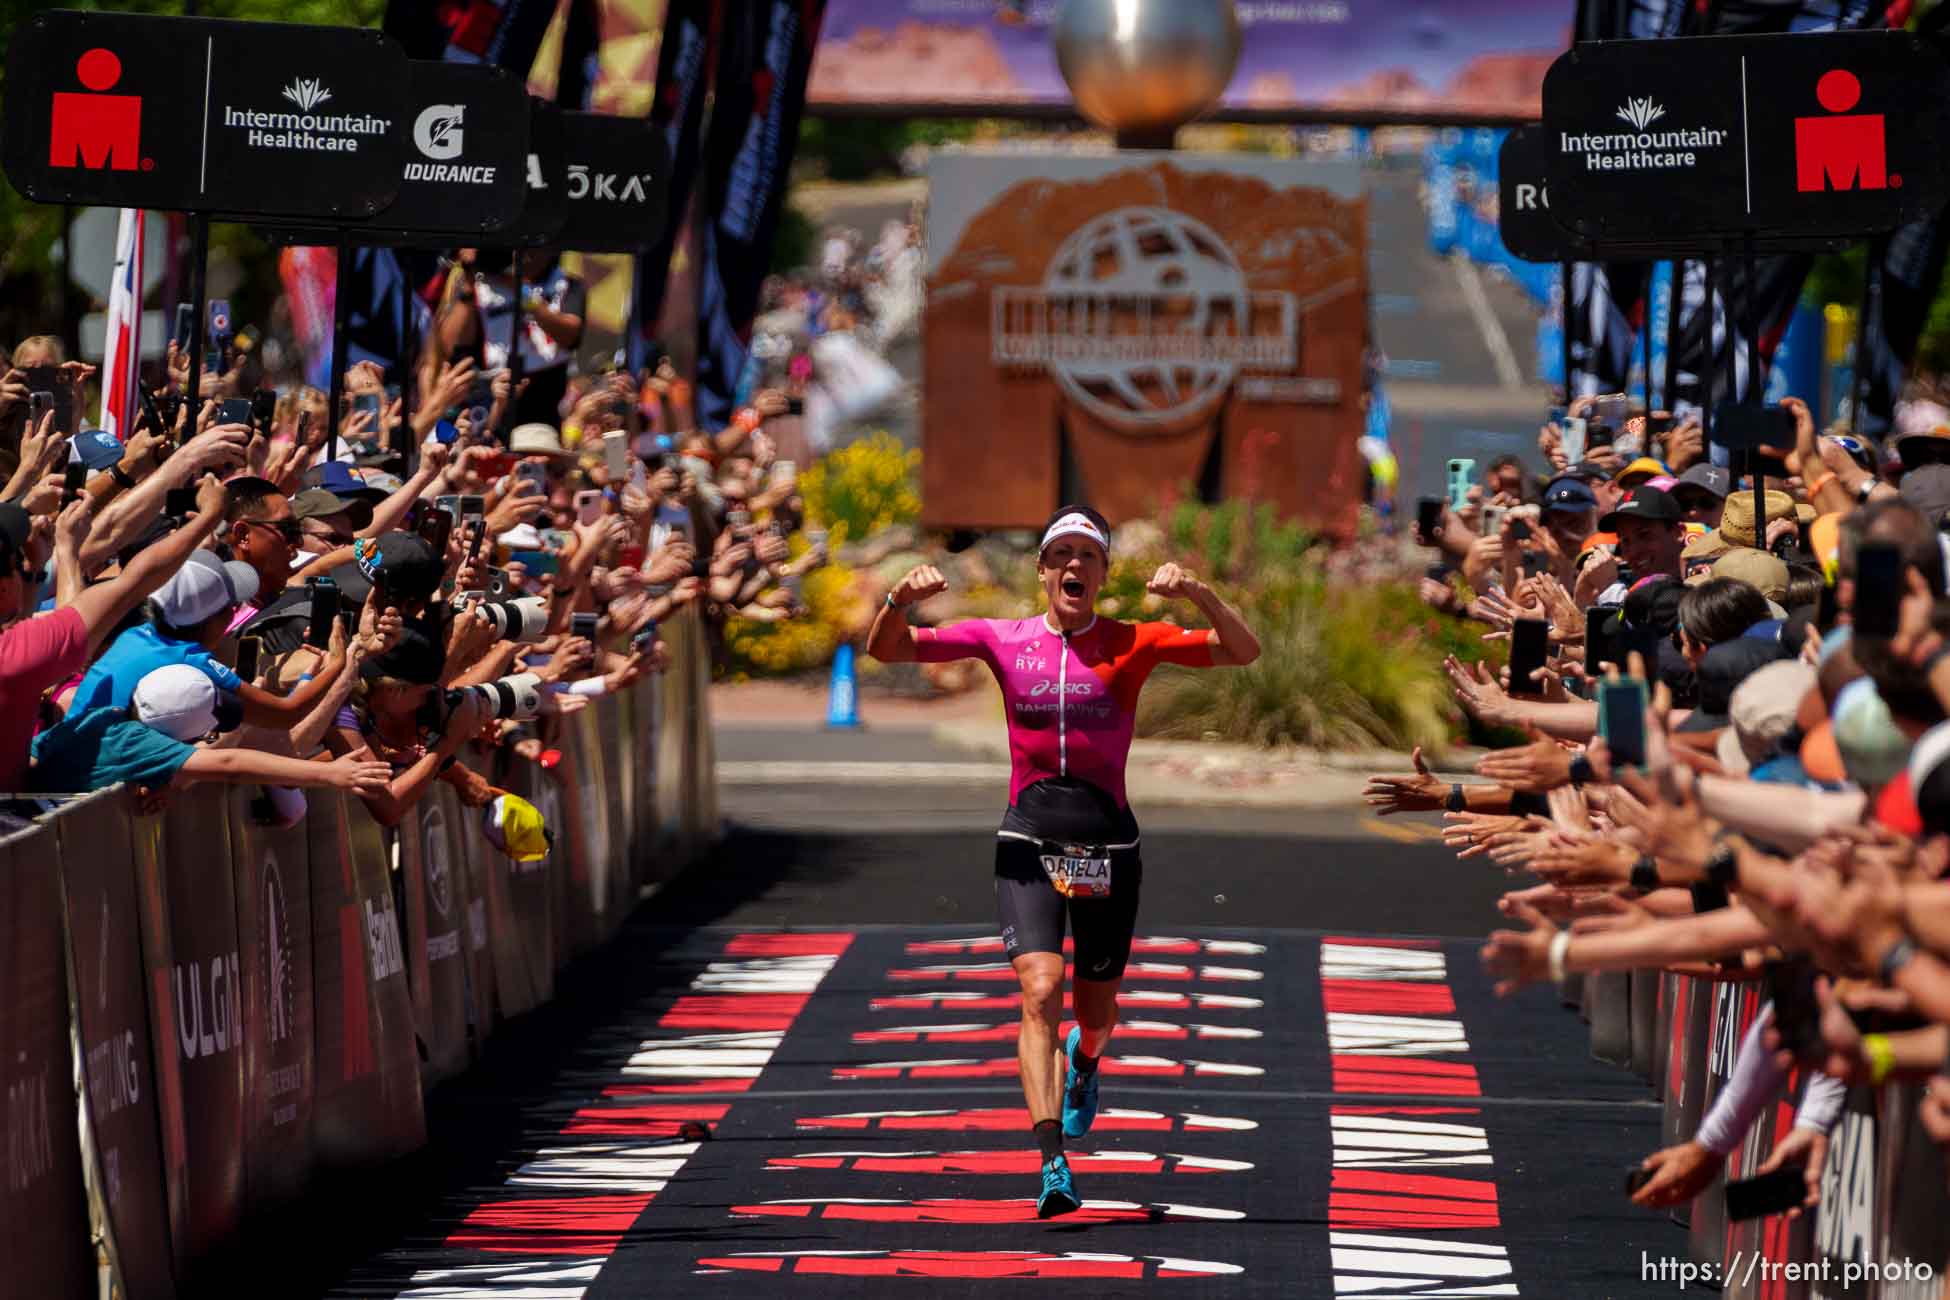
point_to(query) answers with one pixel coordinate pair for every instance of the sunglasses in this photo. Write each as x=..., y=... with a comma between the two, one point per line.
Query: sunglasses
x=288, y=529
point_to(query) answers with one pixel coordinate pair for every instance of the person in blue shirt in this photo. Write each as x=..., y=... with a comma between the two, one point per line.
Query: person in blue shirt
x=188, y=617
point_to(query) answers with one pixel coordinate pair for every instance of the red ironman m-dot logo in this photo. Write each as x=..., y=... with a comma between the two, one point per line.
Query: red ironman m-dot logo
x=1843, y=152
x=95, y=129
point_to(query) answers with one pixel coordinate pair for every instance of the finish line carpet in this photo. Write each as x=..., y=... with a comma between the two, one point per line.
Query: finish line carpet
x=1284, y=1114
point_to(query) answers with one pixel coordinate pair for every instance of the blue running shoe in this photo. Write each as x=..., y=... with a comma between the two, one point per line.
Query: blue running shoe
x=1059, y=1189
x=1079, y=1090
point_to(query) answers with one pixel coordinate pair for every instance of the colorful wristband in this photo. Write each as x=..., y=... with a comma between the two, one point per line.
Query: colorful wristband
x=1882, y=1057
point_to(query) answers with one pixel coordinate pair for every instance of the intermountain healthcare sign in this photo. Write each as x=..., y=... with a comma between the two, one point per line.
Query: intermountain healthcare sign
x=205, y=115
x=1665, y=144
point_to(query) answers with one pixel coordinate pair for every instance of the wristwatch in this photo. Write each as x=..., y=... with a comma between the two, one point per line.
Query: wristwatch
x=1455, y=802
x=1897, y=957
x=121, y=475
x=1722, y=869
x=1868, y=486
x=1581, y=769
x=1645, y=874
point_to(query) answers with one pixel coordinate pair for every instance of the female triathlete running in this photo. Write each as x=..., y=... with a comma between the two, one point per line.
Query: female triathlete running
x=1068, y=843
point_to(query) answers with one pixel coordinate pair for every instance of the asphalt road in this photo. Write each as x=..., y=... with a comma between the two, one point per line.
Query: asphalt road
x=840, y=926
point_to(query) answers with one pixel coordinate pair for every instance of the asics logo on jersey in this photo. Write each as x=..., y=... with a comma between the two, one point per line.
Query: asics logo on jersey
x=1059, y=688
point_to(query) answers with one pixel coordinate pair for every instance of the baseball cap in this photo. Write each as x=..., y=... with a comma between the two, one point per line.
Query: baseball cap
x=95, y=448
x=515, y=827
x=1643, y=503
x=1588, y=470
x=1927, y=488
x=204, y=586
x=321, y=503
x=1709, y=478
x=413, y=658
x=1762, y=712
x=1758, y=569
x=1721, y=671
x=180, y=700
x=337, y=478
x=1644, y=466
x=1568, y=495
x=1873, y=748
x=403, y=563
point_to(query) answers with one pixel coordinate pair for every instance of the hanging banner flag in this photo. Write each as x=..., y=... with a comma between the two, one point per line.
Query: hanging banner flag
x=204, y=115
x=503, y=33
x=122, y=361
x=1607, y=305
x=1663, y=144
x=1907, y=266
x=758, y=100
x=683, y=77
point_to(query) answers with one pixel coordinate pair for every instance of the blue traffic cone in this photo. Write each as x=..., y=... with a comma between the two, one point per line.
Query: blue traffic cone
x=843, y=693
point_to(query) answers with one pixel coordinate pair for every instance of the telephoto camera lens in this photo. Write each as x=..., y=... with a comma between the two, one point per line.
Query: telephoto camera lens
x=524, y=619
x=518, y=698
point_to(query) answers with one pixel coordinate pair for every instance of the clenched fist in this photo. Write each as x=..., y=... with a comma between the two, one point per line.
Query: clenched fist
x=918, y=585
x=1173, y=583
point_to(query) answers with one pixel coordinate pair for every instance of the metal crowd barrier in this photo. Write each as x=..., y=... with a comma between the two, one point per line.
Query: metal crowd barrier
x=1880, y=1231
x=217, y=1010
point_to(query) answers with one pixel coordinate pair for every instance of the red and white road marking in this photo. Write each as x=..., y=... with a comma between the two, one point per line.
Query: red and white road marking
x=1391, y=1028
x=1147, y=945
x=1111, y=1119
x=1132, y=999
x=1001, y=972
x=1021, y=1162
x=1007, y=1067
x=963, y=1263
x=963, y=1210
x=1006, y=1031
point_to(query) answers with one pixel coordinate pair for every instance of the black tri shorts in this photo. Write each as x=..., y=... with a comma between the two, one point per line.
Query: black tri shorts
x=1032, y=912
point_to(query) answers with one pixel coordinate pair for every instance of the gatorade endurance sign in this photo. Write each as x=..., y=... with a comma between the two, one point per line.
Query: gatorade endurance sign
x=205, y=115
x=1784, y=137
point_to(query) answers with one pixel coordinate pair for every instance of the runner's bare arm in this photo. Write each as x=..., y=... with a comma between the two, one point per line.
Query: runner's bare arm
x=1233, y=643
x=891, y=641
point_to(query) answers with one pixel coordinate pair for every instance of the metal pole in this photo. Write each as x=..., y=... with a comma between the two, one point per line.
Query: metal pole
x=341, y=309
x=1752, y=296
x=1712, y=357
x=1671, y=380
x=1645, y=348
x=199, y=254
x=515, y=332
x=1858, y=387
x=1568, y=271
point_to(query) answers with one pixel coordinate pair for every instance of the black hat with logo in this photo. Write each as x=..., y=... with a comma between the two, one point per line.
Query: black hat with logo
x=1643, y=503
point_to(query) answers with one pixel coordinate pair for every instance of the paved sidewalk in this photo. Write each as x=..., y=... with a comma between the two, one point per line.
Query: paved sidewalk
x=1161, y=772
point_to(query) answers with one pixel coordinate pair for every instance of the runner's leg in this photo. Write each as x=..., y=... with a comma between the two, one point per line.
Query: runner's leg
x=1038, y=1050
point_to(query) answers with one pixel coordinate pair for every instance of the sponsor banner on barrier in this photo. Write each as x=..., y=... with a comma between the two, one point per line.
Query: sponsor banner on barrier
x=521, y=902
x=367, y=1100
x=1911, y=1231
x=436, y=937
x=204, y=114
x=122, y=1097
x=274, y=938
x=43, y=1207
x=469, y=851
x=196, y=990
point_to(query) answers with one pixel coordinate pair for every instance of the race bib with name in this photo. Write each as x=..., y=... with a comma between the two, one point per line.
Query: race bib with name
x=1078, y=874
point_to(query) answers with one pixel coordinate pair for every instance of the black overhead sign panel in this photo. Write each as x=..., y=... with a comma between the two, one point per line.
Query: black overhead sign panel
x=466, y=169
x=617, y=183
x=1523, y=211
x=204, y=115
x=1789, y=137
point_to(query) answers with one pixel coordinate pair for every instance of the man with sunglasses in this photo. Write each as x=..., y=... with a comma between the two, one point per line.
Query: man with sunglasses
x=260, y=531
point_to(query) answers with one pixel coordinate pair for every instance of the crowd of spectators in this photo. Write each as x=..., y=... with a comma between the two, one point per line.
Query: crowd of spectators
x=1735, y=757
x=244, y=590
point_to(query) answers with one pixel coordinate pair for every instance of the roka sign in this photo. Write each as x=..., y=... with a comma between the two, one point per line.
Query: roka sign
x=1679, y=145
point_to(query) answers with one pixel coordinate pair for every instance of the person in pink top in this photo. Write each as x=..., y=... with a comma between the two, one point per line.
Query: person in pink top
x=1068, y=844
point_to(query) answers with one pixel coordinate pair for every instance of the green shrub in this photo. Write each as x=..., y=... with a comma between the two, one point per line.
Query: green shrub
x=1338, y=669
x=863, y=487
